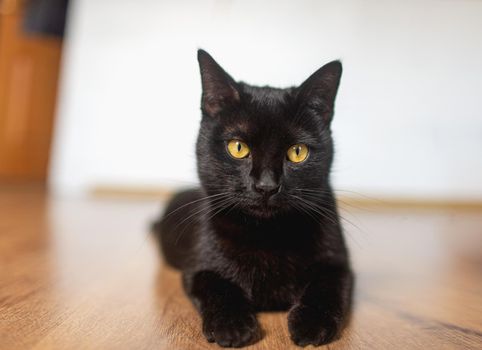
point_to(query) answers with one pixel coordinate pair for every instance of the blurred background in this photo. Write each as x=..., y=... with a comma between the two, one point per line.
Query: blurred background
x=111, y=103
x=99, y=112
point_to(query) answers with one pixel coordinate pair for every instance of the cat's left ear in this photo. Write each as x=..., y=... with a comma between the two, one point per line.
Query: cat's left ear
x=319, y=90
x=219, y=89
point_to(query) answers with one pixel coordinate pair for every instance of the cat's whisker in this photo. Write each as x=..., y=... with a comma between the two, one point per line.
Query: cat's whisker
x=297, y=206
x=311, y=205
x=328, y=213
x=204, y=206
x=193, y=202
x=209, y=208
x=206, y=209
x=327, y=209
x=223, y=207
x=344, y=202
x=308, y=210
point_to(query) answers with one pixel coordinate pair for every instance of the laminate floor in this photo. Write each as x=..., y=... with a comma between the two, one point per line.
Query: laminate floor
x=85, y=274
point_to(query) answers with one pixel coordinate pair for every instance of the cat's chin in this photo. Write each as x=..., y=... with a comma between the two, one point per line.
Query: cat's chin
x=262, y=211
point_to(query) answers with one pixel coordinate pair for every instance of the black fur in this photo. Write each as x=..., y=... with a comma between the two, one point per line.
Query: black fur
x=242, y=250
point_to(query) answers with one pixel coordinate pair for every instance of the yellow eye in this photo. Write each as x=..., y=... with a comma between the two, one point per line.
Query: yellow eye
x=238, y=149
x=297, y=153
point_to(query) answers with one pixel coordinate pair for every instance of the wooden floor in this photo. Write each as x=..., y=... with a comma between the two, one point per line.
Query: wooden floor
x=85, y=274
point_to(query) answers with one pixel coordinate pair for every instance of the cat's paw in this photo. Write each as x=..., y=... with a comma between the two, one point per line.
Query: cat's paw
x=309, y=326
x=232, y=331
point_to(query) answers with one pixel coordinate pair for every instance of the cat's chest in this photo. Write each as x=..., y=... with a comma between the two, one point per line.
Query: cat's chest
x=271, y=279
x=268, y=262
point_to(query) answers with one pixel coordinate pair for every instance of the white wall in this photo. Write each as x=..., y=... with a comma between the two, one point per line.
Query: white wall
x=409, y=116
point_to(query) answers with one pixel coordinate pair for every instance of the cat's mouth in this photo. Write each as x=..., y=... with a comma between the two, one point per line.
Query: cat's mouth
x=263, y=207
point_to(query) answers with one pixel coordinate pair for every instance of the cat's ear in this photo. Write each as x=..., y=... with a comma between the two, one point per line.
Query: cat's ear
x=319, y=90
x=219, y=89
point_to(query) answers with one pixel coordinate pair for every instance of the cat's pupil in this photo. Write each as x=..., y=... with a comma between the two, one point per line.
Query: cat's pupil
x=239, y=146
x=297, y=151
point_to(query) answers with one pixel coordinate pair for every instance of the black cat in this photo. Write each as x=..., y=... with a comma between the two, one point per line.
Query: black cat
x=262, y=232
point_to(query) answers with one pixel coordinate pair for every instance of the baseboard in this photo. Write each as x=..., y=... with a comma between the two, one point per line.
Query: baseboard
x=356, y=201
x=161, y=193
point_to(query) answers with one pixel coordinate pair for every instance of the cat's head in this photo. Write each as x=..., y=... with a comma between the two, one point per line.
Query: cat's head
x=265, y=150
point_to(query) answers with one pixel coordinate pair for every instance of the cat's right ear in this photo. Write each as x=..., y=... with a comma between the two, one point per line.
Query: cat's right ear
x=219, y=89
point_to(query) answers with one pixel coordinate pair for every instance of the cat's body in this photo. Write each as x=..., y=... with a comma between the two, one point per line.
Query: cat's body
x=262, y=233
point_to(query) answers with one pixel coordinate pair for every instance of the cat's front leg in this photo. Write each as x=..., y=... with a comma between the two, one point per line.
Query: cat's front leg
x=323, y=307
x=227, y=316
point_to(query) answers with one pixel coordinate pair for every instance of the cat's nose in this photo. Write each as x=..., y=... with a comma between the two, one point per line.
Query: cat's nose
x=267, y=190
x=266, y=185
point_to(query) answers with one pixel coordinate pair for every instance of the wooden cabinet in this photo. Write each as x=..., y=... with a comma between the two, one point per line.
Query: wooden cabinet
x=29, y=70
